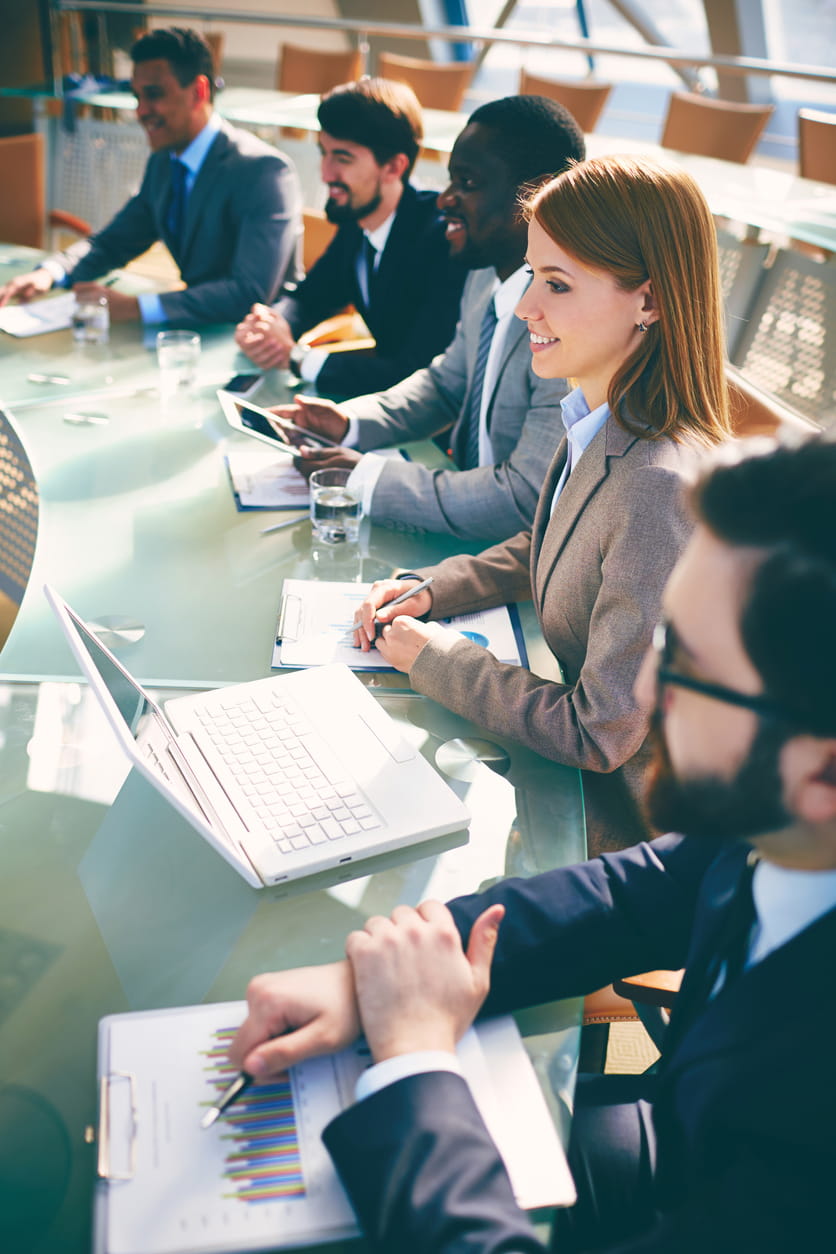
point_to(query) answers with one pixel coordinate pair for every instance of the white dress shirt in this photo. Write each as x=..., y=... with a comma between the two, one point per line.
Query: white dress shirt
x=506, y=296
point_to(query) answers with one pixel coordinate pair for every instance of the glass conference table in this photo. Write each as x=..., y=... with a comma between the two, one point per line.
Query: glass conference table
x=108, y=900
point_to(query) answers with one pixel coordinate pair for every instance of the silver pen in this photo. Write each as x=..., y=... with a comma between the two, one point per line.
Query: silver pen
x=48, y=378
x=412, y=591
x=239, y=1085
x=288, y=522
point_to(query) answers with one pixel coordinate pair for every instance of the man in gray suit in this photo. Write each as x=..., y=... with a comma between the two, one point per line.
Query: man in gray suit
x=502, y=423
x=227, y=205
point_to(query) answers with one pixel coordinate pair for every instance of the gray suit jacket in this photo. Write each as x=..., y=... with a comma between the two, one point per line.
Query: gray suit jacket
x=490, y=502
x=242, y=233
x=596, y=569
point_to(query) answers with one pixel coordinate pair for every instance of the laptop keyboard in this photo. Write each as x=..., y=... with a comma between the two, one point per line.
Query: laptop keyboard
x=295, y=786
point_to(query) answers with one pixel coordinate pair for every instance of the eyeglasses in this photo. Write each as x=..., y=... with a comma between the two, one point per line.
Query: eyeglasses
x=664, y=646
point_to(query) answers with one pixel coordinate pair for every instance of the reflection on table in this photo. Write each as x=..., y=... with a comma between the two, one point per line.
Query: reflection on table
x=109, y=901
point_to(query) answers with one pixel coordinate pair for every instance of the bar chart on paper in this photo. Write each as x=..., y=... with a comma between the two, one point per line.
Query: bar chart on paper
x=259, y=1178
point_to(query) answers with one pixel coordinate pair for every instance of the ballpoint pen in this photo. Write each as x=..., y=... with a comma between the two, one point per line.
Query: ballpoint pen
x=411, y=592
x=234, y=1090
x=288, y=522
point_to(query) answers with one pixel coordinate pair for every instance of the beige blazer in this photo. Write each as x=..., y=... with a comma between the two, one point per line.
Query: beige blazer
x=595, y=569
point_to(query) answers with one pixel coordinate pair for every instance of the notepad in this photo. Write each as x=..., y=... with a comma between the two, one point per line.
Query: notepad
x=260, y=1178
x=264, y=480
x=39, y=317
x=315, y=626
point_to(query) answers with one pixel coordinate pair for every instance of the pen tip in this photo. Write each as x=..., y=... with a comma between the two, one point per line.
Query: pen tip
x=209, y=1118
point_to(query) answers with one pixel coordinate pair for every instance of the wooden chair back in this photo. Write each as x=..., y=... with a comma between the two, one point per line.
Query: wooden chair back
x=311, y=70
x=755, y=412
x=713, y=128
x=817, y=145
x=584, y=100
x=317, y=233
x=23, y=209
x=436, y=86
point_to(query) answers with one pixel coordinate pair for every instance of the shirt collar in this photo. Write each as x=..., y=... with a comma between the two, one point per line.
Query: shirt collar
x=378, y=237
x=195, y=154
x=787, y=901
x=582, y=423
x=507, y=294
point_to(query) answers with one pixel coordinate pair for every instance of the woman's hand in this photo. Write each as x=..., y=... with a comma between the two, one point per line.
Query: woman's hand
x=373, y=616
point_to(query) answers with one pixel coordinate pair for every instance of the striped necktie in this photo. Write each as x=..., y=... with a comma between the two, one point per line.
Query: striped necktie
x=175, y=218
x=474, y=404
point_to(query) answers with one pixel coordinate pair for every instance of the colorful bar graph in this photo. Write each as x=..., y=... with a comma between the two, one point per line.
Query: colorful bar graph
x=263, y=1163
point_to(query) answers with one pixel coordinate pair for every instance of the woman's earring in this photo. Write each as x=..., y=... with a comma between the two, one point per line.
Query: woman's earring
x=642, y=327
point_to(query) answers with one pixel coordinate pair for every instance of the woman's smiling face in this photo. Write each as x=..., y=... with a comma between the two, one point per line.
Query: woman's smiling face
x=580, y=322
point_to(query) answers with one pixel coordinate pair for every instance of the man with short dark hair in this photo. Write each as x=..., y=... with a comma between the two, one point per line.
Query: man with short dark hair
x=227, y=206
x=499, y=420
x=389, y=257
x=729, y=1147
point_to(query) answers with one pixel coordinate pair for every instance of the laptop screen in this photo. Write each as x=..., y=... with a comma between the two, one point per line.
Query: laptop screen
x=134, y=706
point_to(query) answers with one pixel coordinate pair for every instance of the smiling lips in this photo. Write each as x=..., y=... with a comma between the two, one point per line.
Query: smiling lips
x=453, y=227
x=538, y=342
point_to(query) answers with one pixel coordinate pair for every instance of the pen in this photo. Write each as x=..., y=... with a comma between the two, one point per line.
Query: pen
x=411, y=592
x=48, y=378
x=288, y=522
x=238, y=1086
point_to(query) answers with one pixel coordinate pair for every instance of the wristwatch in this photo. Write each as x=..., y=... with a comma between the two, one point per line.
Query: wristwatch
x=297, y=355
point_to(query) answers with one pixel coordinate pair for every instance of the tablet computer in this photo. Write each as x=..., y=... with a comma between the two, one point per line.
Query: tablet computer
x=243, y=415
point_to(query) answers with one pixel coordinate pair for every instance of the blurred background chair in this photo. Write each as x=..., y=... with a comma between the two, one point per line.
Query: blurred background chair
x=644, y=999
x=584, y=100
x=310, y=70
x=23, y=217
x=713, y=128
x=817, y=145
x=436, y=86
x=317, y=233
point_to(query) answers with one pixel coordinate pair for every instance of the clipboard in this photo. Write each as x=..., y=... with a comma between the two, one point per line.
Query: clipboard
x=314, y=628
x=260, y=1178
x=259, y=481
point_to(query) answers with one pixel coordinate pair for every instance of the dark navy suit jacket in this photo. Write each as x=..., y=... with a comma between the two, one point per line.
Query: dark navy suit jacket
x=744, y=1112
x=413, y=304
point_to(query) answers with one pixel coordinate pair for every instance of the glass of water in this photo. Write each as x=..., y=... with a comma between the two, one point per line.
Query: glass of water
x=178, y=353
x=91, y=321
x=335, y=510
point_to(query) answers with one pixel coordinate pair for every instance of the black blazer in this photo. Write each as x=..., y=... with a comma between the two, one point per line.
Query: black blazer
x=413, y=305
x=744, y=1112
x=242, y=234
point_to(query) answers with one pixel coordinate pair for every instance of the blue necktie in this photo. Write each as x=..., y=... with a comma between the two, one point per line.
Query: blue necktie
x=474, y=404
x=369, y=257
x=175, y=217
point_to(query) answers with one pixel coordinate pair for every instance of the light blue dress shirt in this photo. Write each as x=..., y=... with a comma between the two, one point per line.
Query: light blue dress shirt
x=582, y=425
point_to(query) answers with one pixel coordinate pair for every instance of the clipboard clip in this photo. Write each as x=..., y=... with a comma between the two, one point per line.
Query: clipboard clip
x=103, y=1167
x=290, y=618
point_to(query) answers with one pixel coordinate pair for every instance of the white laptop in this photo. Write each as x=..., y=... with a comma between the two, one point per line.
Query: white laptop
x=286, y=776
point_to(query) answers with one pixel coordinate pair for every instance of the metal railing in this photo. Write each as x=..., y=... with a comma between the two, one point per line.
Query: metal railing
x=459, y=34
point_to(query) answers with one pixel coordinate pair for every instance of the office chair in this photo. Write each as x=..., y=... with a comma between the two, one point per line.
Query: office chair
x=817, y=145
x=585, y=100
x=23, y=216
x=305, y=70
x=436, y=86
x=713, y=128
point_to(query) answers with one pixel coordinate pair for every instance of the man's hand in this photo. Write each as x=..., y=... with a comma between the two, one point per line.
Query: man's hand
x=416, y=988
x=372, y=608
x=295, y=1015
x=314, y=414
x=310, y=458
x=122, y=308
x=265, y=337
x=25, y=286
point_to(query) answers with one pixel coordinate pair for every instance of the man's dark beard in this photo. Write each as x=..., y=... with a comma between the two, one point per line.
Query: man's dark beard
x=350, y=213
x=707, y=806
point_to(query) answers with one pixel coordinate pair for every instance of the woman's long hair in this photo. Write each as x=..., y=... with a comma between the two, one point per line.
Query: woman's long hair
x=639, y=219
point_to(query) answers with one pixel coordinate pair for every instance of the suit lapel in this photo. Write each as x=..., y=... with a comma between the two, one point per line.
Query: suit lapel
x=514, y=333
x=612, y=441
x=396, y=250
x=200, y=196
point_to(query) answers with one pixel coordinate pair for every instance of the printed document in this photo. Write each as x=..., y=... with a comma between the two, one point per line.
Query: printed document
x=264, y=480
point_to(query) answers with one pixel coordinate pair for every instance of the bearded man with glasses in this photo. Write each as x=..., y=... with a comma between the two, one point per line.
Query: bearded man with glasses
x=729, y=1146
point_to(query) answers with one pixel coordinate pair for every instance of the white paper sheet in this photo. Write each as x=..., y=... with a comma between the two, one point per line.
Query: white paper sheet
x=315, y=627
x=265, y=480
x=40, y=316
x=200, y=1190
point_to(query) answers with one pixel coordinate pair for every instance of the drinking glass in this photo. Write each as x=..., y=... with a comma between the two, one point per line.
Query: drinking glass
x=335, y=510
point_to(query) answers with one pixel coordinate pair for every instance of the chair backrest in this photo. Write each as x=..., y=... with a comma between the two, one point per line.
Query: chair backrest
x=19, y=530
x=817, y=145
x=754, y=412
x=713, y=128
x=436, y=86
x=317, y=233
x=311, y=70
x=584, y=100
x=23, y=208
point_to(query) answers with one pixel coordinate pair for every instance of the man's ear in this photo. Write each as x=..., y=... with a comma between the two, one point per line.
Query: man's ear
x=202, y=89
x=808, y=764
x=397, y=166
